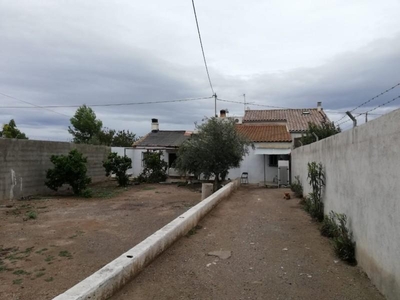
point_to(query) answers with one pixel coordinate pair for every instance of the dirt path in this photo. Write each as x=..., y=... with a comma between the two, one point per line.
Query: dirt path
x=72, y=238
x=277, y=253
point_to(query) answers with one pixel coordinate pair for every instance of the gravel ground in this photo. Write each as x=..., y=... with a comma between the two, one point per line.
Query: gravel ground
x=276, y=253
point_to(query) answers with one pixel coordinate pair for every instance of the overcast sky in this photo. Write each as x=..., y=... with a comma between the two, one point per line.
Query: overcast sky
x=280, y=53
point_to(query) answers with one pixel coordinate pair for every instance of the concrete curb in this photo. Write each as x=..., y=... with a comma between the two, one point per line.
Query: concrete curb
x=112, y=277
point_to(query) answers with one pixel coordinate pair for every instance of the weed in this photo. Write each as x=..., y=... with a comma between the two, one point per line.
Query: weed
x=50, y=279
x=343, y=243
x=65, y=253
x=28, y=250
x=87, y=193
x=106, y=193
x=41, y=251
x=329, y=227
x=194, y=230
x=39, y=274
x=32, y=215
x=148, y=188
x=20, y=272
x=78, y=233
x=17, y=281
x=313, y=204
x=49, y=258
x=297, y=188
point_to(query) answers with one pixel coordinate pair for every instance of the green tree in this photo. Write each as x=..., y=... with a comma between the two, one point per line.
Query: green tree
x=216, y=148
x=118, y=165
x=322, y=131
x=104, y=137
x=68, y=169
x=123, y=139
x=11, y=131
x=85, y=125
x=155, y=169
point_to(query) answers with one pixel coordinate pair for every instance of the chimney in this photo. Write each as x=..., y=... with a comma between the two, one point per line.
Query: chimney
x=319, y=108
x=222, y=113
x=154, y=125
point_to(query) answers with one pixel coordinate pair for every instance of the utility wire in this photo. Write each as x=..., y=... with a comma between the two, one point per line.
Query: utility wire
x=111, y=104
x=223, y=100
x=202, y=48
x=377, y=96
x=37, y=106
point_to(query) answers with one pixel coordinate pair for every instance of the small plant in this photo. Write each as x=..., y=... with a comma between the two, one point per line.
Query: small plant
x=155, y=169
x=68, y=169
x=20, y=272
x=297, y=188
x=118, y=165
x=17, y=281
x=65, y=253
x=329, y=227
x=39, y=274
x=316, y=177
x=87, y=193
x=344, y=245
x=50, y=279
x=49, y=258
x=32, y=215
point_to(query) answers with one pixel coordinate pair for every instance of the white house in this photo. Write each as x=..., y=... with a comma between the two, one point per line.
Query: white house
x=274, y=133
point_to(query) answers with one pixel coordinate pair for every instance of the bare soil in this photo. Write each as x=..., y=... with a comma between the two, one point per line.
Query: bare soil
x=73, y=237
x=277, y=252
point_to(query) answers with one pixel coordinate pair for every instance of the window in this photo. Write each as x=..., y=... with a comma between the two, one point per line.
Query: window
x=273, y=160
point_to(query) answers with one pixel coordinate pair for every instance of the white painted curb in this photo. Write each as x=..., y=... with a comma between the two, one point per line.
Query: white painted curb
x=112, y=277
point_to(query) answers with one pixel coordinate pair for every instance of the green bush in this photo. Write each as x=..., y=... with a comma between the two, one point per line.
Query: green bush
x=329, y=227
x=344, y=245
x=118, y=165
x=316, y=177
x=87, y=193
x=297, y=188
x=32, y=215
x=314, y=207
x=68, y=169
x=155, y=169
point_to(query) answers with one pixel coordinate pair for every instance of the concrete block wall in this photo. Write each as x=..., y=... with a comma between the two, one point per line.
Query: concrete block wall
x=362, y=168
x=23, y=165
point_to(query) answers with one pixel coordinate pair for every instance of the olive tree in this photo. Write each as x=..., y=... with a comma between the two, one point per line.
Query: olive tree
x=213, y=150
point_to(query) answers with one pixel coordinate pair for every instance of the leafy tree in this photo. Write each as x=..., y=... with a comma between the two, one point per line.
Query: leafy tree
x=68, y=169
x=216, y=148
x=85, y=125
x=123, y=139
x=11, y=131
x=118, y=165
x=155, y=169
x=104, y=137
x=322, y=131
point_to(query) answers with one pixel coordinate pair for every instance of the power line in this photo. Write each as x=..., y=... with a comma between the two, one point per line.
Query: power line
x=377, y=96
x=202, y=48
x=112, y=104
x=264, y=105
x=38, y=106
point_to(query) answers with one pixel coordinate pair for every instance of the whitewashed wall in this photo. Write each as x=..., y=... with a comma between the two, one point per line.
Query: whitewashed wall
x=254, y=165
x=362, y=169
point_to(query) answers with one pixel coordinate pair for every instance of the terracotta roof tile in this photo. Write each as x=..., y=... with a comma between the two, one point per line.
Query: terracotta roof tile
x=297, y=119
x=265, y=133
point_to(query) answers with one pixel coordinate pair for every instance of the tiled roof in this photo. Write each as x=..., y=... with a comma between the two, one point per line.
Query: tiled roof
x=265, y=133
x=163, y=138
x=297, y=119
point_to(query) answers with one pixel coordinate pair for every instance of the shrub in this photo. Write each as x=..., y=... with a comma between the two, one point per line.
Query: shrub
x=316, y=177
x=297, y=188
x=32, y=215
x=314, y=207
x=329, y=227
x=68, y=169
x=344, y=245
x=87, y=193
x=118, y=165
x=155, y=169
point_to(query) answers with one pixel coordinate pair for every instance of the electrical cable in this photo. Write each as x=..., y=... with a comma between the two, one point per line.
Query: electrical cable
x=202, y=48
